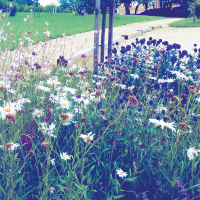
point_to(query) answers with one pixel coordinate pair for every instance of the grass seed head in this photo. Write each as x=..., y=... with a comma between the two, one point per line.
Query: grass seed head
x=44, y=144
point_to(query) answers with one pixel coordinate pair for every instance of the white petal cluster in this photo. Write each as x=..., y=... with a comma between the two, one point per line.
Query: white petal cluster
x=121, y=173
x=65, y=156
x=191, y=152
x=163, y=124
x=87, y=138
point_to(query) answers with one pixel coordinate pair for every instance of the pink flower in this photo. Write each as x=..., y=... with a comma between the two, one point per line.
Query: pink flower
x=10, y=5
x=47, y=33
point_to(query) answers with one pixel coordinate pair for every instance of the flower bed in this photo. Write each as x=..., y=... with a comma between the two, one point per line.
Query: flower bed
x=130, y=132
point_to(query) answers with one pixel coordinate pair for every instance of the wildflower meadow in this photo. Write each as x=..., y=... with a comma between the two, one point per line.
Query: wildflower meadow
x=129, y=132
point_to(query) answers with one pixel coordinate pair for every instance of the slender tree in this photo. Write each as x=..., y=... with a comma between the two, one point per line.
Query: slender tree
x=110, y=31
x=103, y=30
x=96, y=37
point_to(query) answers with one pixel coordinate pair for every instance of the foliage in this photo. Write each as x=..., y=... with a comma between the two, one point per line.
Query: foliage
x=23, y=2
x=13, y=11
x=67, y=4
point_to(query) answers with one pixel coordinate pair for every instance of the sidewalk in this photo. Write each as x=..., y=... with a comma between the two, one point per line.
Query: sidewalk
x=84, y=42
x=49, y=51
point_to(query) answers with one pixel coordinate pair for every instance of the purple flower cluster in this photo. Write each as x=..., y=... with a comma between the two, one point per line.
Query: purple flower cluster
x=181, y=191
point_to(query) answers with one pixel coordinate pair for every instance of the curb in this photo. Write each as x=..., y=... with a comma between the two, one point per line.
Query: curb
x=116, y=39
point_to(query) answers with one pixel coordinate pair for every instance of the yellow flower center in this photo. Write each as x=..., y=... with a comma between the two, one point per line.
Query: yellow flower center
x=38, y=113
x=6, y=109
x=64, y=104
x=53, y=82
x=60, y=93
x=2, y=84
x=25, y=100
x=87, y=138
x=121, y=173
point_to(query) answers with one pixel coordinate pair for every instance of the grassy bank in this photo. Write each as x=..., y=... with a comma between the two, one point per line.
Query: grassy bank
x=60, y=23
x=187, y=22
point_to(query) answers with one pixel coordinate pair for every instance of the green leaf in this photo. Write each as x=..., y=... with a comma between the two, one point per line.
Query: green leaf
x=131, y=179
x=193, y=186
x=18, y=180
x=89, y=172
x=166, y=177
x=118, y=196
x=2, y=190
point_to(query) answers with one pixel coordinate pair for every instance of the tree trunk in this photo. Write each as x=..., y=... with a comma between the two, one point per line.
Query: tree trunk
x=103, y=32
x=110, y=31
x=146, y=6
x=127, y=9
x=161, y=4
x=136, y=9
x=194, y=12
x=96, y=37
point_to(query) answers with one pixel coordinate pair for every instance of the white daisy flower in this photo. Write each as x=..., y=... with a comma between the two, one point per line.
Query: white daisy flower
x=87, y=138
x=52, y=161
x=121, y=173
x=134, y=76
x=192, y=151
x=162, y=124
x=45, y=89
x=71, y=90
x=54, y=98
x=23, y=100
x=51, y=190
x=76, y=110
x=4, y=112
x=198, y=99
x=12, y=107
x=13, y=147
x=12, y=91
x=69, y=120
x=38, y=113
x=65, y=156
x=191, y=157
x=64, y=104
x=48, y=129
x=53, y=82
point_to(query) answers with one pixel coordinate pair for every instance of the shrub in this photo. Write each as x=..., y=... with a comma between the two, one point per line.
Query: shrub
x=20, y=8
x=13, y=11
x=197, y=9
x=60, y=9
x=66, y=10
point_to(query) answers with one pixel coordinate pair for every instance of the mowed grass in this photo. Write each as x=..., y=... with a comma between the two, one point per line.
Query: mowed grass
x=60, y=23
x=187, y=22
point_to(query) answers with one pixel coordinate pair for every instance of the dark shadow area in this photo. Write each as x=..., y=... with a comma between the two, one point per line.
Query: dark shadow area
x=167, y=12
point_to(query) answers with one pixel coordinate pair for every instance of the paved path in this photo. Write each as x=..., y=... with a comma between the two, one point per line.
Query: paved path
x=83, y=42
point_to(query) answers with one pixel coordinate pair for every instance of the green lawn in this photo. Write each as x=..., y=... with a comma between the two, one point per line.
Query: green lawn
x=60, y=23
x=187, y=22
